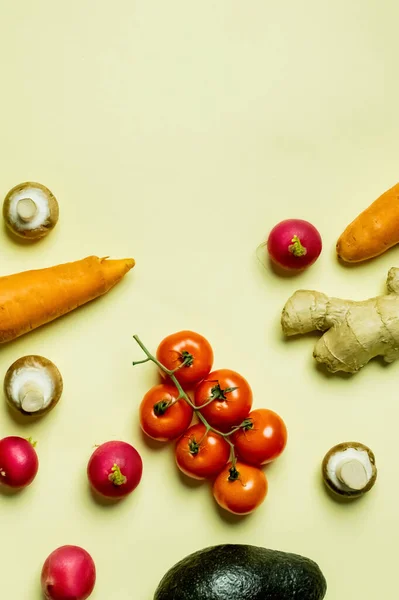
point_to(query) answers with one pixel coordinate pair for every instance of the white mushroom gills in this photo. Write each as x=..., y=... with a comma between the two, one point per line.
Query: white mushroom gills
x=29, y=207
x=32, y=388
x=26, y=209
x=350, y=469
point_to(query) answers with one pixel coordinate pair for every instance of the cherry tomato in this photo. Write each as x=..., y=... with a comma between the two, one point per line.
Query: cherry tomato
x=201, y=455
x=228, y=397
x=240, y=489
x=188, y=352
x=162, y=416
x=262, y=438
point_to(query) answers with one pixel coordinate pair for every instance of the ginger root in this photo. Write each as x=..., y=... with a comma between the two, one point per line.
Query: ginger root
x=355, y=332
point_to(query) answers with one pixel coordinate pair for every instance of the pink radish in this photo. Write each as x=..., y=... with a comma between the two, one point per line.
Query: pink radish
x=18, y=462
x=69, y=573
x=294, y=244
x=115, y=469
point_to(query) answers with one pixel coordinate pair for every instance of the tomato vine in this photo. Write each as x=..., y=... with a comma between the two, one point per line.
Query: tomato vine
x=197, y=409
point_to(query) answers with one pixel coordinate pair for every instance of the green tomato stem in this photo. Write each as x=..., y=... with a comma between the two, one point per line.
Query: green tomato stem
x=234, y=474
x=206, y=403
x=161, y=407
x=184, y=396
x=140, y=362
x=188, y=360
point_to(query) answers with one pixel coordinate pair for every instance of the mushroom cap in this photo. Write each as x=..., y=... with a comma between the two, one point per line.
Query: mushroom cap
x=37, y=223
x=36, y=372
x=364, y=453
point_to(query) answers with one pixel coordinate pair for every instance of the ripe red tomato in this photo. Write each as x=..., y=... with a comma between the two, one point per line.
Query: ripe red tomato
x=228, y=397
x=189, y=349
x=262, y=438
x=162, y=416
x=201, y=455
x=240, y=490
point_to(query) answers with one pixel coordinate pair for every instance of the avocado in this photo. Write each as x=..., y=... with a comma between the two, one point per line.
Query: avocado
x=242, y=572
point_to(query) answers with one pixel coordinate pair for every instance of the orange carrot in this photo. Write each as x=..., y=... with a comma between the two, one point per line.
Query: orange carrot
x=33, y=298
x=374, y=231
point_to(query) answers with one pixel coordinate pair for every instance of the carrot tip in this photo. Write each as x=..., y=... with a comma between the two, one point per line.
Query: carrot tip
x=129, y=262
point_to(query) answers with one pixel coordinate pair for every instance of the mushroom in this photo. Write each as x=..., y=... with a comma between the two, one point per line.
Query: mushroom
x=33, y=385
x=30, y=210
x=349, y=469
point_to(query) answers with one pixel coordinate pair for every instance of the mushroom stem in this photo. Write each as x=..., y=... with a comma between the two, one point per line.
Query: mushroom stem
x=31, y=397
x=352, y=473
x=26, y=209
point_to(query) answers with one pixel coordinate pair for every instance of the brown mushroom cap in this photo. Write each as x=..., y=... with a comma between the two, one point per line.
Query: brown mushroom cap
x=33, y=381
x=352, y=477
x=30, y=210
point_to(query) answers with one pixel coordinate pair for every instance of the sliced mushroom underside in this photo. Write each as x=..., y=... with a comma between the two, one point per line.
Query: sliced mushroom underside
x=33, y=385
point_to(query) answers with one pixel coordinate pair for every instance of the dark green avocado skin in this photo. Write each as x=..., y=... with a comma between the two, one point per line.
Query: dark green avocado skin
x=241, y=572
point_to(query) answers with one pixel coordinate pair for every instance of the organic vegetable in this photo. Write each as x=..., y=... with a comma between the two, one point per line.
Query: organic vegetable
x=188, y=354
x=115, y=469
x=374, y=231
x=170, y=373
x=294, y=244
x=164, y=416
x=261, y=438
x=33, y=385
x=240, y=489
x=30, y=210
x=33, y=298
x=18, y=462
x=356, y=332
x=225, y=399
x=349, y=469
x=69, y=573
x=203, y=451
x=241, y=572
x=200, y=453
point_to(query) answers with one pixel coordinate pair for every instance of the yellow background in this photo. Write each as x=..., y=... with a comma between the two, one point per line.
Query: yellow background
x=180, y=132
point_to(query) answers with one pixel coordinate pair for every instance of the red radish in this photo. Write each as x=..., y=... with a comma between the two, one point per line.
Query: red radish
x=18, y=462
x=294, y=244
x=115, y=469
x=69, y=573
